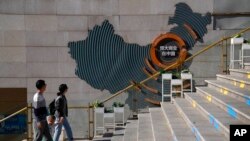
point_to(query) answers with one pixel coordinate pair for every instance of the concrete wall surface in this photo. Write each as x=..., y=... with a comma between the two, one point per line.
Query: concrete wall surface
x=34, y=36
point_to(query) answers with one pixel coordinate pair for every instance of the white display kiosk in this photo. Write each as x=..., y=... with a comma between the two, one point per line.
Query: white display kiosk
x=166, y=86
x=187, y=76
x=99, y=120
x=245, y=47
x=119, y=116
x=235, y=42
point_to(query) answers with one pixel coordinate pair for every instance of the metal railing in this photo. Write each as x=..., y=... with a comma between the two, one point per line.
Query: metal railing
x=16, y=113
x=28, y=109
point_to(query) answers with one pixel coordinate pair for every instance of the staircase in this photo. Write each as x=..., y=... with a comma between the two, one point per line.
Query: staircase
x=201, y=116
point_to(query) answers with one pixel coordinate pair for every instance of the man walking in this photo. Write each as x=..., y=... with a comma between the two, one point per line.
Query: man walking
x=40, y=113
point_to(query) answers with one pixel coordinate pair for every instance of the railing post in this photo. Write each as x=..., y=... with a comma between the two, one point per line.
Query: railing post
x=222, y=57
x=93, y=122
x=89, y=120
x=227, y=58
x=32, y=131
x=29, y=122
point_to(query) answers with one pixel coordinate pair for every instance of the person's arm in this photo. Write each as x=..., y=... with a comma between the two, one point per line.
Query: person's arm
x=66, y=110
x=59, y=107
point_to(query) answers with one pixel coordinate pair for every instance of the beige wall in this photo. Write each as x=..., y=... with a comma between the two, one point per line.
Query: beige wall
x=34, y=36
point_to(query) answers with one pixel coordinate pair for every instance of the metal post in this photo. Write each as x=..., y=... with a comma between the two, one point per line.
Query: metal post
x=93, y=123
x=89, y=119
x=27, y=122
x=226, y=58
x=222, y=56
x=31, y=121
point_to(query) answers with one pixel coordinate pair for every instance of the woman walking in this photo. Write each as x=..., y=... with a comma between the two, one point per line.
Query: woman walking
x=61, y=114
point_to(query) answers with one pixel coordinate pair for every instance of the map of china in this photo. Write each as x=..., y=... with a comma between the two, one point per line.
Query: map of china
x=106, y=62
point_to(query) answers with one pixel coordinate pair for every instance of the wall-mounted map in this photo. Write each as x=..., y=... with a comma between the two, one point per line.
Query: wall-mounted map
x=105, y=61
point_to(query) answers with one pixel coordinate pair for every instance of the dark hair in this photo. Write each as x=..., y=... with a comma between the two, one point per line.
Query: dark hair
x=62, y=89
x=40, y=84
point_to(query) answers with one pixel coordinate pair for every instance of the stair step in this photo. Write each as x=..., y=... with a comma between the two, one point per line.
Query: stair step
x=210, y=111
x=233, y=106
x=131, y=131
x=106, y=137
x=243, y=73
x=242, y=95
x=145, y=127
x=161, y=129
x=199, y=124
x=118, y=134
x=233, y=79
x=220, y=118
x=177, y=124
x=247, y=65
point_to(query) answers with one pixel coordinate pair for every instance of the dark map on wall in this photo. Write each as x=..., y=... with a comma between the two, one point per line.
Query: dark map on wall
x=105, y=61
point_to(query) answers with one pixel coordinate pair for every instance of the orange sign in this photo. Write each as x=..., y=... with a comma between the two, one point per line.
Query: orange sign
x=168, y=49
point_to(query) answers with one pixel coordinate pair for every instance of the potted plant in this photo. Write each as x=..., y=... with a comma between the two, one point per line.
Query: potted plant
x=118, y=107
x=98, y=106
x=108, y=110
x=118, y=104
x=176, y=74
x=237, y=39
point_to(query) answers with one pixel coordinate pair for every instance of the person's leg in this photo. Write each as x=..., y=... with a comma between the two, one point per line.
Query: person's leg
x=58, y=130
x=52, y=129
x=34, y=130
x=46, y=132
x=39, y=132
x=68, y=129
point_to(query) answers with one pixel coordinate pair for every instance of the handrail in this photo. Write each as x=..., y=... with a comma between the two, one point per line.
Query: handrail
x=17, y=112
x=25, y=108
x=188, y=59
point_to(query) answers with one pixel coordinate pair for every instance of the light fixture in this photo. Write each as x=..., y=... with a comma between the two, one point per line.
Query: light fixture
x=209, y=98
x=225, y=92
x=194, y=103
x=242, y=85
